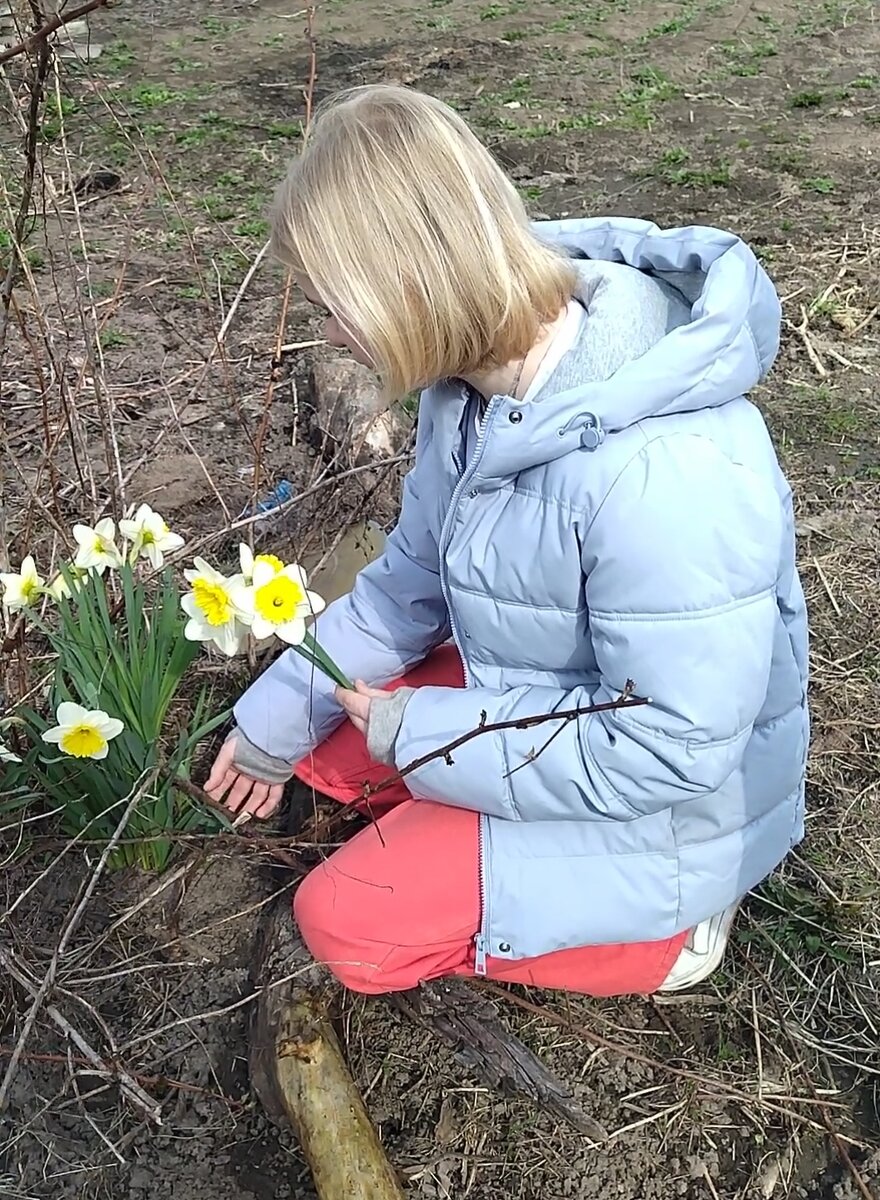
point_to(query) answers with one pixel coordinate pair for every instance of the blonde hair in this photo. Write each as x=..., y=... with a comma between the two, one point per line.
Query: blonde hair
x=415, y=238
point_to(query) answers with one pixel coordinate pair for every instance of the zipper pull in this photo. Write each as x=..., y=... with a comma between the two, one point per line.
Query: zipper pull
x=482, y=950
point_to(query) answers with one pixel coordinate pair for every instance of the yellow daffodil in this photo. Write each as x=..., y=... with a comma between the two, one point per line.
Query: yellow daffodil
x=23, y=589
x=214, y=609
x=97, y=548
x=83, y=733
x=247, y=559
x=150, y=537
x=279, y=602
x=6, y=755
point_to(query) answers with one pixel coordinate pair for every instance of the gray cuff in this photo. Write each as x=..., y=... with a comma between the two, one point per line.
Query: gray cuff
x=250, y=760
x=383, y=725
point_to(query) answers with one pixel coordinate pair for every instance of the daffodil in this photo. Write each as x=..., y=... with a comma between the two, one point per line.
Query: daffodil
x=248, y=560
x=23, y=589
x=60, y=587
x=97, y=549
x=81, y=732
x=214, y=608
x=150, y=537
x=279, y=602
x=6, y=755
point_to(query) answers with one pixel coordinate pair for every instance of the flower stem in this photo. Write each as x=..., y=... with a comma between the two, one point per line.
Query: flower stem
x=318, y=657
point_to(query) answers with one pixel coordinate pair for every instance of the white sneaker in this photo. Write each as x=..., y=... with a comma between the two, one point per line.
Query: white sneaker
x=702, y=952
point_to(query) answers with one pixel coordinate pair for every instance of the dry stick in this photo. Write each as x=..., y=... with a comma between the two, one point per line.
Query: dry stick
x=843, y=1153
x=270, y=394
x=72, y=922
x=31, y=143
x=326, y=481
x=309, y=93
x=67, y=401
x=37, y=80
x=239, y=296
x=102, y=395
x=627, y=700
x=46, y=30
x=127, y=1084
x=656, y=1064
x=145, y=1080
x=308, y=96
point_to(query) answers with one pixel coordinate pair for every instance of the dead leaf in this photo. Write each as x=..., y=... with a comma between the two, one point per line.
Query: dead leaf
x=447, y=1126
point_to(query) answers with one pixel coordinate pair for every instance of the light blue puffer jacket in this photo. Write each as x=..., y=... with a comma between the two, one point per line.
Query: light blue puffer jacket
x=635, y=528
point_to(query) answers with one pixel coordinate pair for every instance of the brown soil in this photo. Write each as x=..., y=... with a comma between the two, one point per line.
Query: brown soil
x=760, y=118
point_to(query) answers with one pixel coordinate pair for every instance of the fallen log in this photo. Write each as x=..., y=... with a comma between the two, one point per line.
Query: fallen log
x=300, y=1076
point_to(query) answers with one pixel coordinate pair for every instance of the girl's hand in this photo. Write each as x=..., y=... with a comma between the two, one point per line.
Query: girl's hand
x=357, y=703
x=242, y=794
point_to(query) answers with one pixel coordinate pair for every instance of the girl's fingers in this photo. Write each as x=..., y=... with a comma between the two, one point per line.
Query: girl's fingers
x=272, y=802
x=218, y=790
x=372, y=693
x=257, y=798
x=221, y=766
x=241, y=789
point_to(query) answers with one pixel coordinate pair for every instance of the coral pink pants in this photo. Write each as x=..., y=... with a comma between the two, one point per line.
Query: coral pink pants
x=386, y=913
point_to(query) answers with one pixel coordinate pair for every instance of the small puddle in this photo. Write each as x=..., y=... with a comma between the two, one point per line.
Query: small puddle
x=361, y=544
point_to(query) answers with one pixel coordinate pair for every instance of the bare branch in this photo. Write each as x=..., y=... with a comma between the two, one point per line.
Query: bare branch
x=626, y=700
x=45, y=31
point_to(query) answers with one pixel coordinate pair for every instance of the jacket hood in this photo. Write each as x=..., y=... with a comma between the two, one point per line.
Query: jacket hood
x=727, y=346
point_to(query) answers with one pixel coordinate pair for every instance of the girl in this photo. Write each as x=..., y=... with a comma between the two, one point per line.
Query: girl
x=593, y=500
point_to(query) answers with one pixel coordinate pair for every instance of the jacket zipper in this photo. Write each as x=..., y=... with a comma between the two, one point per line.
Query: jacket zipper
x=481, y=942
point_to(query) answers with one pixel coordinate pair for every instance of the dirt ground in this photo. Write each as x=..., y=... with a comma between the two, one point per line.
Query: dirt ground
x=762, y=116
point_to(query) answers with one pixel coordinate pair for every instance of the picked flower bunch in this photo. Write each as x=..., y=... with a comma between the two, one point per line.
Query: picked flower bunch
x=266, y=599
x=123, y=639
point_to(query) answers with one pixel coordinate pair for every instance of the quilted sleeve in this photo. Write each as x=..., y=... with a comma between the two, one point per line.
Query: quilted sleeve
x=680, y=566
x=392, y=618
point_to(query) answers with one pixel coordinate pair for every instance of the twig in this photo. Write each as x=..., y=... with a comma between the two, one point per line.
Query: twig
x=803, y=332
x=710, y=1183
x=288, y=284
x=309, y=345
x=36, y=85
x=239, y=296
x=627, y=700
x=210, y=1014
x=827, y=586
x=39, y=994
x=839, y=1145
x=145, y=1080
x=309, y=93
x=127, y=1084
x=46, y=30
x=323, y=483
x=270, y=391
x=708, y=1086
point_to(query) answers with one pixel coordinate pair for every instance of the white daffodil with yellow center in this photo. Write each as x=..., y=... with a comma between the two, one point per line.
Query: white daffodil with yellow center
x=23, y=589
x=279, y=602
x=83, y=732
x=150, y=536
x=60, y=588
x=6, y=755
x=97, y=549
x=247, y=559
x=214, y=608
